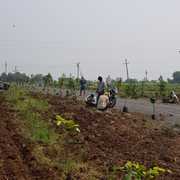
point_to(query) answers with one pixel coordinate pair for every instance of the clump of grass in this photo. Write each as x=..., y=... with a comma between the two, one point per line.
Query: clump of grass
x=29, y=109
x=73, y=168
x=14, y=94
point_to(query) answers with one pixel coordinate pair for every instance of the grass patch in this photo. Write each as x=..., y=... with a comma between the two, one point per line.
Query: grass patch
x=29, y=110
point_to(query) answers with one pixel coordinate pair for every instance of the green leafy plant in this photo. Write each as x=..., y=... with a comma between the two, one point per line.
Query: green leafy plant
x=138, y=171
x=133, y=170
x=67, y=124
x=156, y=171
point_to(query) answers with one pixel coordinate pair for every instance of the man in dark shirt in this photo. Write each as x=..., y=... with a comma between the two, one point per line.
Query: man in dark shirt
x=82, y=86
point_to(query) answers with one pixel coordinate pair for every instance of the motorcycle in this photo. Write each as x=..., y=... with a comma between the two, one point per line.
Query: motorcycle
x=91, y=99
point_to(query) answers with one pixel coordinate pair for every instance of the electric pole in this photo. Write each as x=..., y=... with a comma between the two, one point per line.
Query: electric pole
x=146, y=77
x=127, y=71
x=78, y=65
x=15, y=69
x=6, y=67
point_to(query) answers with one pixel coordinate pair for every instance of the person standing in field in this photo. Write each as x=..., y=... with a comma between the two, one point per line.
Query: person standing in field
x=100, y=88
x=82, y=86
x=109, y=82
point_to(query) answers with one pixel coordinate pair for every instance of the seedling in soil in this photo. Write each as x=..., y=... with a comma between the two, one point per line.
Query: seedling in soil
x=67, y=124
x=138, y=171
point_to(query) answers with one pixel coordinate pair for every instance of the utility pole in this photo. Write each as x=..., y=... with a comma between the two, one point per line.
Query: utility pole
x=5, y=67
x=127, y=71
x=146, y=72
x=78, y=65
x=15, y=69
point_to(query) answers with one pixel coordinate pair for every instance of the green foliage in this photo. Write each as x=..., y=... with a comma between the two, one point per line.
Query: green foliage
x=61, y=81
x=134, y=170
x=176, y=77
x=14, y=77
x=131, y=89
x=14, y=94
x=29, y=109
x=48, y=80
x=154, y=172
x=162, y=86
x=118, y=84
x=142, y=88
x=37, y=79
x=71, y=84
x=69, y=125
x=137, y=171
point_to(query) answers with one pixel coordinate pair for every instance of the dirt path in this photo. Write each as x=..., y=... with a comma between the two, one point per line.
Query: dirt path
x=169, y=112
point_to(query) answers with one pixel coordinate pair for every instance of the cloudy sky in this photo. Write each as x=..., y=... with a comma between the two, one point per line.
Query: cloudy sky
x=41, y=36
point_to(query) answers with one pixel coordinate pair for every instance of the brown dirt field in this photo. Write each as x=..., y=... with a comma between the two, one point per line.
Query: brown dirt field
x=16, y=160
x=106, y=139
x=112, y=138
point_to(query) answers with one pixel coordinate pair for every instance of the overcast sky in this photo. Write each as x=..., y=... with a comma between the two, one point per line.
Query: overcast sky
x=41, y=36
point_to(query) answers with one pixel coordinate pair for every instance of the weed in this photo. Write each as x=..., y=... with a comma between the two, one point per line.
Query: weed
x=69, y=125
x=138, y=171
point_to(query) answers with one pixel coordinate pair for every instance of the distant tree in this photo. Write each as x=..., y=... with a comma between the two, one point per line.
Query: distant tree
x=17, y=77
x=71, y=83
x=61, y=81
x=142, y=87
x=48, y=80
x=4, y=77
x=131, y=89
x=162, y=86
x=176, y=77
x=37, y=79
x=131, y=81
x=118, y=84
x=170, y=80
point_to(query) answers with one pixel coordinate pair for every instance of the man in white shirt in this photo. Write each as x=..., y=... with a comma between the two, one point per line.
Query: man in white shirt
x=103, y=102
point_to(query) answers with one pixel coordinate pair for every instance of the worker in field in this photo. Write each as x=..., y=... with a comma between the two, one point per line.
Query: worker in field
x=100, y=88
x=103, y=102
x=82, y=86
x=174, y=98
x=109, y=82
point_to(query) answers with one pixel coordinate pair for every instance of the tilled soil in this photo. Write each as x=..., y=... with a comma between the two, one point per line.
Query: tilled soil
x=109, y=138
x=16, y=160
x=112, y=138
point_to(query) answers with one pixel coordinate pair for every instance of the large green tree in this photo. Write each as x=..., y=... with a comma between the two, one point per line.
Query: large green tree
x=176, y=77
